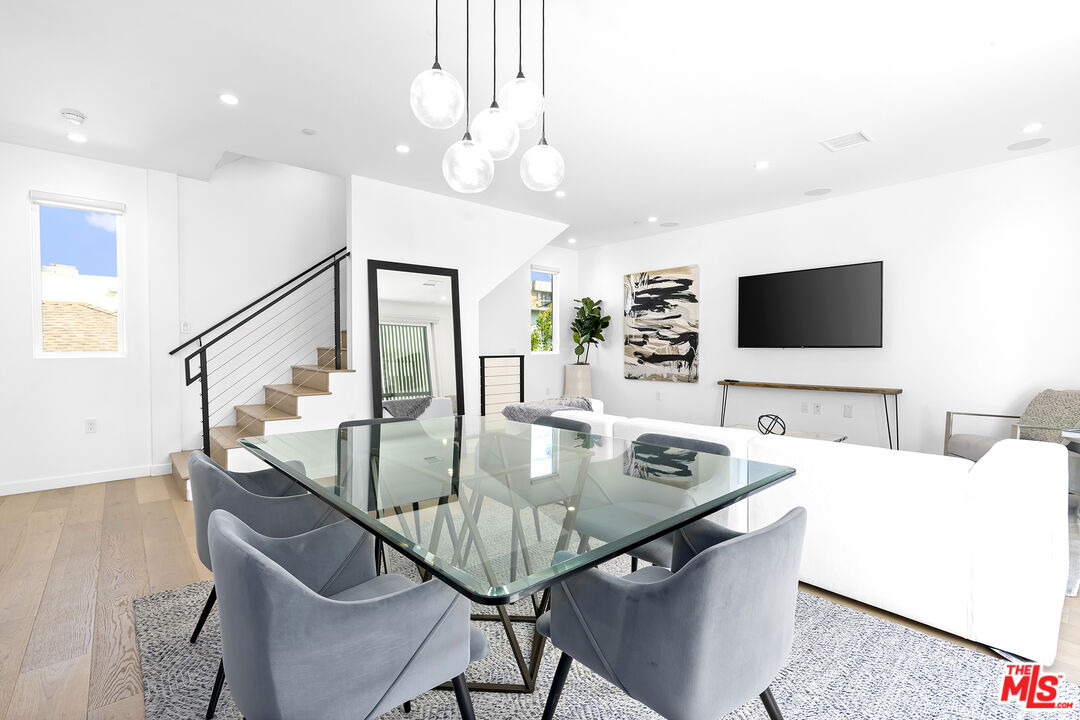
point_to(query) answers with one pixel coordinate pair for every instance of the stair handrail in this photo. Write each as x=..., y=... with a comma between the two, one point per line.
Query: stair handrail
x=332, y=261
x=343, y=253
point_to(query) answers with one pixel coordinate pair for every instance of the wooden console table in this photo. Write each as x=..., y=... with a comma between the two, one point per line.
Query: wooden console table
x=883, y=392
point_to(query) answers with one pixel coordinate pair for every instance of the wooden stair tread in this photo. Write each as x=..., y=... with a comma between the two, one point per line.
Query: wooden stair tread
x=179, y=464
x=265, y=412
x=297, y=390
x=227, y=436
x=316, y=368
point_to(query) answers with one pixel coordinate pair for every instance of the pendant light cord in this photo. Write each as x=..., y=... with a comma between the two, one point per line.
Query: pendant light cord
x=520, y=73
x=467, y=115
x=543, y=69
x=436, y=32
x=494, y=54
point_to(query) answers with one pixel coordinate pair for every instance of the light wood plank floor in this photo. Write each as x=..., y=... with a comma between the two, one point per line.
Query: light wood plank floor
x=73, y=560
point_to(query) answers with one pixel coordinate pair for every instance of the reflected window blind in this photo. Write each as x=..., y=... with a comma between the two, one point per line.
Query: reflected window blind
x=406, y=372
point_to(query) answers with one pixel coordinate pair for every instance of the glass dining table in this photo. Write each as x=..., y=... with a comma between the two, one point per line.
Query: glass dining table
x=484, y=503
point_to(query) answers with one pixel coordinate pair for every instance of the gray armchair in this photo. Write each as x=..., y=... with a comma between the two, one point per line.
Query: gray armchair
x=1046, y=417
x=309, y=630
x=693, y=642
x=267, y=500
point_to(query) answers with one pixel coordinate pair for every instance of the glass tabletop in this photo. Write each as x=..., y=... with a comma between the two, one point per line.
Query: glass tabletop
x=485, y=503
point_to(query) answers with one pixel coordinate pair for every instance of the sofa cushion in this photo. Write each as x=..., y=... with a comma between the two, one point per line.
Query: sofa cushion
x=972, y=447
x=598, y=422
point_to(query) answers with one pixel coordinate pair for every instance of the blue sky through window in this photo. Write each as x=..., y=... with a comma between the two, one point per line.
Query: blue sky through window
x=82, y=238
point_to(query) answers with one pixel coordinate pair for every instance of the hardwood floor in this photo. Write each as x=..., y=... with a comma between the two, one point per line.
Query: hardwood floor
x=73, y=560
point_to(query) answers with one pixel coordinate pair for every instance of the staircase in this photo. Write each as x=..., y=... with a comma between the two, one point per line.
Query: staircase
x=265, y=347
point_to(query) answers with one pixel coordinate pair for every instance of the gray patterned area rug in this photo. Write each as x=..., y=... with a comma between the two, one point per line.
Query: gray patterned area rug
x=845, y=665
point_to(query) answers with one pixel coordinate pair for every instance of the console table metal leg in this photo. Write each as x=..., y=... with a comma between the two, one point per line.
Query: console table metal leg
x=896, y=409
x=723, y=407
x=888, y=424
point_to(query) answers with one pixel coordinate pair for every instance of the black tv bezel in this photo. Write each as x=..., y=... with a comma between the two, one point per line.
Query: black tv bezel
x=881, y=319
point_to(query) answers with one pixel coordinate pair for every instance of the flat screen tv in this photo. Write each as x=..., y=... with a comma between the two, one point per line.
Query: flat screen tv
x=829, y=307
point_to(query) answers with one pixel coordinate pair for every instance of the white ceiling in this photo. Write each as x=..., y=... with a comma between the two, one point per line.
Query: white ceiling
x=660, y=108
x=398, y=286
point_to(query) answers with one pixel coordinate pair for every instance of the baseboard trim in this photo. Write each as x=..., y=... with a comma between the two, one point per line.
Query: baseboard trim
x=62, y=481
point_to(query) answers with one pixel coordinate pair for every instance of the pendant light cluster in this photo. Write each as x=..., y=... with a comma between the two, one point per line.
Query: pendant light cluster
x=494, y=134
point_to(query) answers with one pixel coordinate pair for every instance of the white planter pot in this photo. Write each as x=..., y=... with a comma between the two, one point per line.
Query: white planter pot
x=578, y=381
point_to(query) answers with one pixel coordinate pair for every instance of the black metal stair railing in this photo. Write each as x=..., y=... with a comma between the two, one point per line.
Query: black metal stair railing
x=258, y=344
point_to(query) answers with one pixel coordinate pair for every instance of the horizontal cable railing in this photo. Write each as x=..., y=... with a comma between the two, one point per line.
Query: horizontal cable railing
x=258, y=345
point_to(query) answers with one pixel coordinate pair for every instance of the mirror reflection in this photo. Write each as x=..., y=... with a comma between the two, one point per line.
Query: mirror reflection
x=418, y=367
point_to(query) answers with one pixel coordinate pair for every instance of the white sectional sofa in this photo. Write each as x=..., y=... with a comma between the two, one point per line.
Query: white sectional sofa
x=979, y=550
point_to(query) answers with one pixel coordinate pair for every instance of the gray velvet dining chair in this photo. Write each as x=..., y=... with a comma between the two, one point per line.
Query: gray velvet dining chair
x=267, y=500
x=658, y=551
x=308, y=629
x=563, y=424
x=693, y=642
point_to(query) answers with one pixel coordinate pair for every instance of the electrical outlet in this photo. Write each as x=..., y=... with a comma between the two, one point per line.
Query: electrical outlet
x=90, y=425
x=805, y=407
x=185, y=327
x=657, y=394
x=849, y=411
x=817, y=408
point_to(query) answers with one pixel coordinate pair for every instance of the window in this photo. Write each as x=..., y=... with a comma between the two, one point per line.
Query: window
x=78, y=276
x=544, y=461
x=406, y=361
x=542, y=304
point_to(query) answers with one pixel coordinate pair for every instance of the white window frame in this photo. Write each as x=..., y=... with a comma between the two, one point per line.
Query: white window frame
x=554, y=272
x=37, y=199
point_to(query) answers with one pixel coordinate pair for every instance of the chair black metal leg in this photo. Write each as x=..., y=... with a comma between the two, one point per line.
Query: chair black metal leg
x=407, y=707
x=557, y=682
x=771, y=707
x=633, y=564
x=218, y=682
x=464, y=700
x=205, y=613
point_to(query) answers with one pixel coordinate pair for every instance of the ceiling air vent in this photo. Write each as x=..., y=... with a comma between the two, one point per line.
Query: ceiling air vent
x=843, y=142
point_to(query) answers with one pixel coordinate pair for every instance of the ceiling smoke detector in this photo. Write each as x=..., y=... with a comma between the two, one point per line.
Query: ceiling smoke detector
x=73, y=116
x=843, y=142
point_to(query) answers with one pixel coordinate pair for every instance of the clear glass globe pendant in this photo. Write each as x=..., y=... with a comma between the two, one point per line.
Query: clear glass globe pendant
x=542, y=167
x=522, y=100
x=496, y=130
x=467, y=166
x=436, y=98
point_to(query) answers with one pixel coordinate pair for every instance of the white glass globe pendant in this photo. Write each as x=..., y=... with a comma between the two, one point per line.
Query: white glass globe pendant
x=436, y=98
x=542, y=167
x=496, y=130
x=435, y=95
x=522, y=100
x=468, y=166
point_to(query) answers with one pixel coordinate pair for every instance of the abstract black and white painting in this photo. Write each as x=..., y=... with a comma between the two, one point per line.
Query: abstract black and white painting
x=660, y=311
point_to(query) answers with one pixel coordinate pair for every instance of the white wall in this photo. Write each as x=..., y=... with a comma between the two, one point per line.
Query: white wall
x=485, y=244
x=251, y=227
x=505, y=321
x=980, y=301
x=45, y=401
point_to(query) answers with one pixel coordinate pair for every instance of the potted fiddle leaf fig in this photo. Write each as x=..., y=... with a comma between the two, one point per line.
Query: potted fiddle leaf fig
x=587, y=330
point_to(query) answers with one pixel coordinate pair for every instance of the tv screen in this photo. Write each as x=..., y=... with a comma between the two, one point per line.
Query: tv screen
x=828, y=307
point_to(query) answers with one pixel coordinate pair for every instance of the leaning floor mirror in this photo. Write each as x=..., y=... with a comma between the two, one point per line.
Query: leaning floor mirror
x=415, y=324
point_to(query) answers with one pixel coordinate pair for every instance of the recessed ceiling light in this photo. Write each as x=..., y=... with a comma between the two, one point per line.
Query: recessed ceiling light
x=653, y=218
x=73, y=116
x=817, y=192
x=1032, y=127
x=308, y=131
x=560, y=193
x=571, y=240
x=76, y=137
x=229, y=99
x=442, y=297
x=1028, y=144
x=402, y=148
x=761, y=165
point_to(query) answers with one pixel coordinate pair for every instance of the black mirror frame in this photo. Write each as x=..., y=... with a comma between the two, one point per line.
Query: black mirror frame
x=373, y=327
